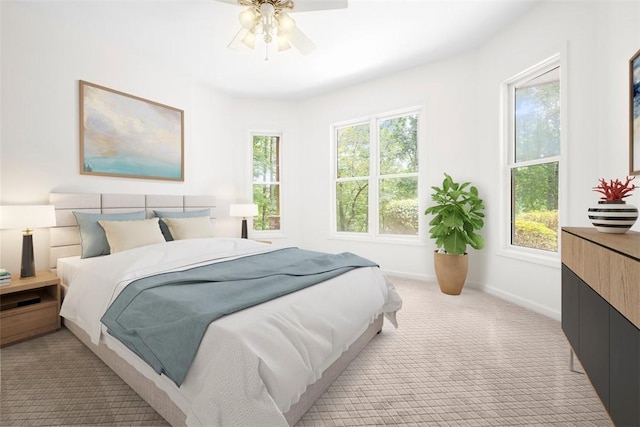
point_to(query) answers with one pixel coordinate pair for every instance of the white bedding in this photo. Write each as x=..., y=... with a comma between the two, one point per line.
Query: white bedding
x=251, y=365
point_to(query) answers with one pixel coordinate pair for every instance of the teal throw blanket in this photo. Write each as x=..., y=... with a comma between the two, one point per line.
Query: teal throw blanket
x=163, y=318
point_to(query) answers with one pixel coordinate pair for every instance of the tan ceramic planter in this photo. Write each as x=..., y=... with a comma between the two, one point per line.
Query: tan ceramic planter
x=451, y=271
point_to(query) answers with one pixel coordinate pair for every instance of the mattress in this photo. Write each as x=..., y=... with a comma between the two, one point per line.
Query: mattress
x=67, y=267
x=251, y=365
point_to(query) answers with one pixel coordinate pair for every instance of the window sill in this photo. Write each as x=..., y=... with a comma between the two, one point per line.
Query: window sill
x=551, y=259
x=409, y=241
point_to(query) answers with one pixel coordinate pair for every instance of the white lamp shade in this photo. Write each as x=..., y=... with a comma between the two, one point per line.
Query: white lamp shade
x=27, y=217
x=244, y=210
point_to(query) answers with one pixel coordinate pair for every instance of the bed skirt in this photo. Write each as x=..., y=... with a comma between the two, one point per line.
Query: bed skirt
x=160, y=401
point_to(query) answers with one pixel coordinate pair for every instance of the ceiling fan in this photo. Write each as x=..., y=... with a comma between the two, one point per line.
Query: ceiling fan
x=269, y=20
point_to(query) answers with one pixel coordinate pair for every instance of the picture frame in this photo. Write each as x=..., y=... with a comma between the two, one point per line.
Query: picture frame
x=634, y=114
x=123, y=135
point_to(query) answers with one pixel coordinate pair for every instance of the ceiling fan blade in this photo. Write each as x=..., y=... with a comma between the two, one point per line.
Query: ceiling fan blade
x=300, y=41
x=237, y=43
x=310, y=5
x=229, y=1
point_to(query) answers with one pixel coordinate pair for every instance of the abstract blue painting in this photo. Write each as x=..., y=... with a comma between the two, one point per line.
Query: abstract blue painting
x=128, y=136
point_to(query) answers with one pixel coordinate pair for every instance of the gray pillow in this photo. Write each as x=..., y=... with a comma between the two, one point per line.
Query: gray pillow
x=94, y=241
x=171, y=214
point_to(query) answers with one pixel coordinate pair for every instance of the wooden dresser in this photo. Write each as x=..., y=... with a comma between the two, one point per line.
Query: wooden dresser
x=601, y=314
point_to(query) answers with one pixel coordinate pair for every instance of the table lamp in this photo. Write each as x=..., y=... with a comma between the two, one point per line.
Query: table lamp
x=26, y=218
x=244, y=211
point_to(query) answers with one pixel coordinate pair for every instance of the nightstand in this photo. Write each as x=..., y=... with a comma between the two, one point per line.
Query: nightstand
x=29, y=307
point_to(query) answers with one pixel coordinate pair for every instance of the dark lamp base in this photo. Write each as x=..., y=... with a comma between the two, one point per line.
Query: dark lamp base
x=244, y=234
x=28, y=267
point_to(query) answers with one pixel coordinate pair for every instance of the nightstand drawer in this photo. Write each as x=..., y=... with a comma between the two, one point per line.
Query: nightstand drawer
x=24, y=322
x=29, y=307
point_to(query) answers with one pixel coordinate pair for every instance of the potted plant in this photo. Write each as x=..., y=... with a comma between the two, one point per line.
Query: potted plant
x=457, y=215
x=613, y=214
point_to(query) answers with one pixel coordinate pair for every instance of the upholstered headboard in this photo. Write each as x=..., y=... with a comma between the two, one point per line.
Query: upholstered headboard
x=64, y=238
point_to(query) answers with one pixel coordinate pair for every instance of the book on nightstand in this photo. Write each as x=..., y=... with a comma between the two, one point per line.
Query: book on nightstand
x=5, y=277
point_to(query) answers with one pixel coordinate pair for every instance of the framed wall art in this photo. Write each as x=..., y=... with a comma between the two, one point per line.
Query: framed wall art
x=634, y=114
x=127, y=136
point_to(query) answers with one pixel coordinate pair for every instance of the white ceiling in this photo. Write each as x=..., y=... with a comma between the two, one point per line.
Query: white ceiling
x=367, y=40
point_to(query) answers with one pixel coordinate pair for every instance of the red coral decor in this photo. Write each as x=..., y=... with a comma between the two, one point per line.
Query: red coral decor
x=615, y=190
x=614, y=215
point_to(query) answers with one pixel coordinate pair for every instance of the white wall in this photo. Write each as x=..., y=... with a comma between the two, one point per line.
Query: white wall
x=597, y=40
x=462, y=99
x=42, y=62
x=1, y=121
x=277, y=117
x=46, y=50
x=447, y=93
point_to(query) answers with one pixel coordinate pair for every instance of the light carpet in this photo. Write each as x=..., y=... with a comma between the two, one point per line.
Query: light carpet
x=467, y=360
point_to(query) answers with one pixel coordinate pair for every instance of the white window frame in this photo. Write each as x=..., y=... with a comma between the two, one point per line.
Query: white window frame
x=262, y=234
x=374, y=176
x=506, y=248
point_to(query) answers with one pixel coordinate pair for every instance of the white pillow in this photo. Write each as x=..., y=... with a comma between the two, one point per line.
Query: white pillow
x=190, y=228
x=123, y=235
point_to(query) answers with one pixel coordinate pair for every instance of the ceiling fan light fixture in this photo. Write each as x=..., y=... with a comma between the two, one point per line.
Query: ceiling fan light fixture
x=248, y=18
x=249, y=40
x=267, y=10
x=286, y=24
x=269, y=20
x=283, y=43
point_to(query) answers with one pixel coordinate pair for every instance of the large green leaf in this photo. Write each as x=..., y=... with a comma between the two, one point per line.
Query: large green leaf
x=455, y=243
x=458, y=214
x=475, y=240
x=454, y=219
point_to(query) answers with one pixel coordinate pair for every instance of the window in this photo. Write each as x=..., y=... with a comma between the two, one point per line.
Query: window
x=266, y=181
x=534, y=150
x=376, y=176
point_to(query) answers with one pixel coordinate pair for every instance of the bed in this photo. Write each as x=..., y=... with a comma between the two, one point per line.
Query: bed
x=264, y=365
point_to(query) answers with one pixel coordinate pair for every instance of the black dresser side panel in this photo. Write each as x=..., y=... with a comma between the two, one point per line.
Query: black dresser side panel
x=594, y=340
x=624, y=397
x=570, y=306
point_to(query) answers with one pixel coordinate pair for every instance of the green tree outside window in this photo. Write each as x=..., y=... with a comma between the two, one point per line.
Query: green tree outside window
x=266, y=181
x=393, y=178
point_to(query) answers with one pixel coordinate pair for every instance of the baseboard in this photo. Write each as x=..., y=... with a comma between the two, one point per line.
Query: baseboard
x=522, y=302
x=411, y=276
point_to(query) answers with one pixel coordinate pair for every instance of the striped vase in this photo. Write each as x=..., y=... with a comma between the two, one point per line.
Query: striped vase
x=613, y=216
